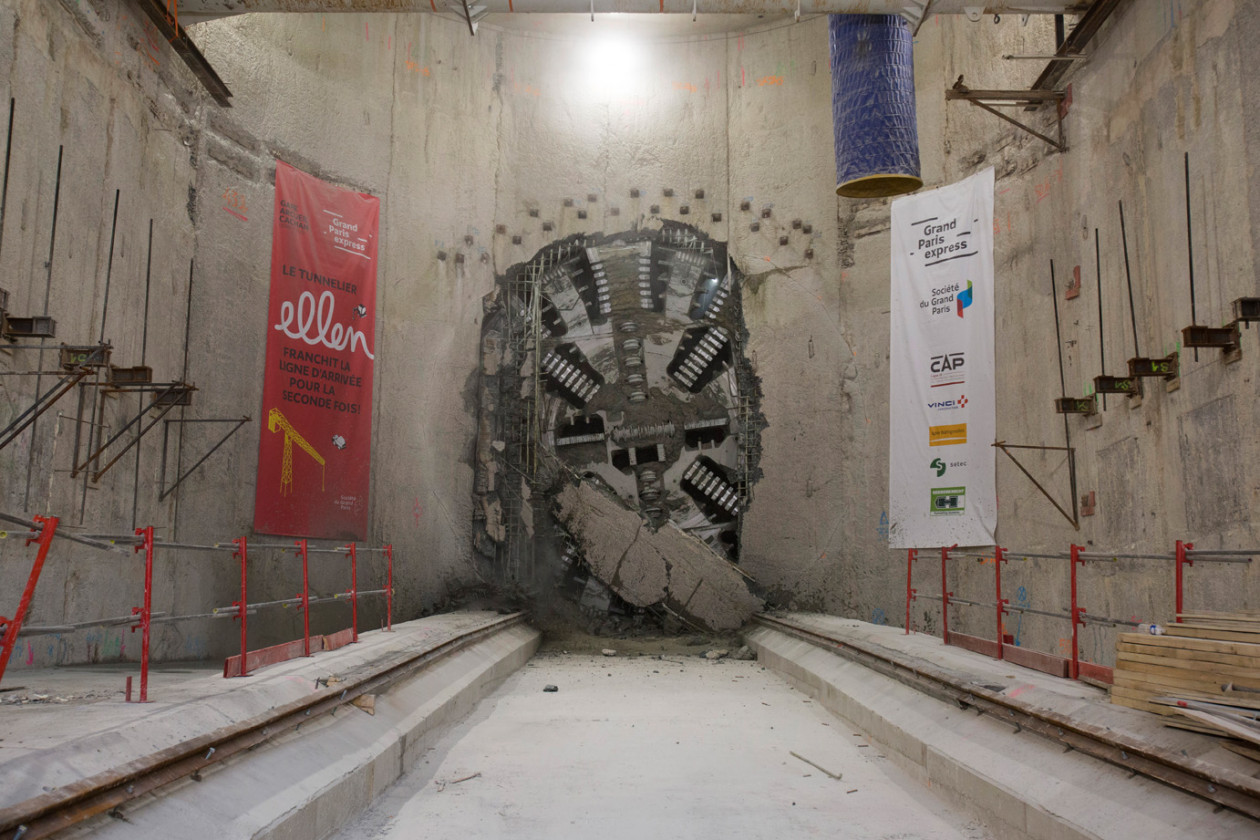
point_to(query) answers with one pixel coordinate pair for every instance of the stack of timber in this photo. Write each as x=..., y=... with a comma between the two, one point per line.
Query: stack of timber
x=1204, y=672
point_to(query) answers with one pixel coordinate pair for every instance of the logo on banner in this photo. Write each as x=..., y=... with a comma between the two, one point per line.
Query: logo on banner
x=948, y=405
x=964, y=299
x=947, y=435
x=938, y=465
x=947, y=369
x=947, y=501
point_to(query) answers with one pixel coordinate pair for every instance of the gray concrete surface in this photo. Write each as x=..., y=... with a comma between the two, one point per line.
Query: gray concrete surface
x=655, y=746
x=47, y=745
x=1024, y=786
x=458, y=135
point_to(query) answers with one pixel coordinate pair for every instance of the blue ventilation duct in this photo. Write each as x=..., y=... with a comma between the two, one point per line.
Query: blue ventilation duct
x=872, y=106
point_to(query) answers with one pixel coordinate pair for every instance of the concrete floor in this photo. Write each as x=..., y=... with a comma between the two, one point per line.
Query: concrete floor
x=647, y=746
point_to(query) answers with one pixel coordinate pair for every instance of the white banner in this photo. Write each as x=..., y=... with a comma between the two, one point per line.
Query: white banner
x=942, y=486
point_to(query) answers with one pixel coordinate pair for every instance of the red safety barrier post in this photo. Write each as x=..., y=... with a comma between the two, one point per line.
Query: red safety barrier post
x=999, y=557
x=14, y=624
x=354, y=593
x=1077, y=611
x=145, y=612
x=912, y=554
x=1182, y=561
x=945, y=593
x=389, y=590
x=241, y=554
x=305, y=595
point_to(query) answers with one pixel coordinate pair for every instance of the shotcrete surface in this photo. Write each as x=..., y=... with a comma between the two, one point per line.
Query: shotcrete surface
x=648, y=746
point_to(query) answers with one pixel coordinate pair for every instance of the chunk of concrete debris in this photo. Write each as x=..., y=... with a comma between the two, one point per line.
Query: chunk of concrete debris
x=609, y=652
x=717, y=654
x=646, y=567
x=744, y=654
x=550, y=688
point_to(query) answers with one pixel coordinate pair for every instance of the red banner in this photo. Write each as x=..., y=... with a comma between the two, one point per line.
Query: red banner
x=315, y=452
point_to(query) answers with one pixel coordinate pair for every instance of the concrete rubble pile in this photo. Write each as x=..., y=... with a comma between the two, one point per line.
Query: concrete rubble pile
x=645, y=567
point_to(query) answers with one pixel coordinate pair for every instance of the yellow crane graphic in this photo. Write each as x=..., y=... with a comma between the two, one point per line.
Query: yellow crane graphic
x=277, y=421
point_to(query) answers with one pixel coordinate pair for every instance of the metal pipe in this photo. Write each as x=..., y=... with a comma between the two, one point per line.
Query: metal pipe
x=911, y=553
x=242, y=611
x=1128, y=277
x=1102, y=347
x=354, y=596
x=1182, y=561
x=1075, y=671
x=14, y=624
x=8, y=153
x=146, y=612
x=998, y=559
x=945, y=593
x=389, y=596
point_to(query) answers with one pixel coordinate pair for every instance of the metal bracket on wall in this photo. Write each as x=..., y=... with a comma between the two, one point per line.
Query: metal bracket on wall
x=986, y=99
x=1071, y=459
x=168, y=24
x=473, y=14
x=168, y=396
x=165, y=491
x=42, y=403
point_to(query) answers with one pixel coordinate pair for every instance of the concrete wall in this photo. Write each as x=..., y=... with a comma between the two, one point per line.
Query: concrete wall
x=458, y=135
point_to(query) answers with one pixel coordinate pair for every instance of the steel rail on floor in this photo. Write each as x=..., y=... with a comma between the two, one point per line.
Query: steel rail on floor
x=1219, y=785
x=71, y=804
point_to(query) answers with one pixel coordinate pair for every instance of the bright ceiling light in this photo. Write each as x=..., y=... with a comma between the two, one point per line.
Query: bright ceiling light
x=613, y=66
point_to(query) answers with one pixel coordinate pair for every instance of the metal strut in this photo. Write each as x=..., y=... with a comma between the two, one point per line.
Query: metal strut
x=1031, y=99
x=1071, y=458
x=163, y=490
x=170, y=395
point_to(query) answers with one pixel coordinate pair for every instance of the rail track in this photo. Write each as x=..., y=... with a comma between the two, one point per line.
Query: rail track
x=1224, y=787
x=69, y=805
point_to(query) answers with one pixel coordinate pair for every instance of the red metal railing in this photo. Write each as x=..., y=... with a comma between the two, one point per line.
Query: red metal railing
x=142, y=618
x=1071, y=666
x=44, y=536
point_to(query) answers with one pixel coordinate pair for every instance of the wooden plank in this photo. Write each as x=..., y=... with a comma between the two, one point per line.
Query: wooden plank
x=339, y=639
x=1246, y=733
x=1122, y=696
x=1215, y=635
x=1044, y=662
x=1242, y=749
x=974, y=643
x=263, y=657
x=1180, y=669
x=1098, y=673
x=1181, y=723
x=1192, y=655
x=1210, y=616
x=1166, y=685
x=1190, y=643
x=1212, y=626
x=1245, y=672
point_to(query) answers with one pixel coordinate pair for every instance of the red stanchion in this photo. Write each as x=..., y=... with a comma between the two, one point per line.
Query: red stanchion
x=354, y=593
x=1182, y=560
x=912, y=554
x=145, y=612
x=305, y=595
x=999, y=557
x=241, y=606
x=14, y=624
x=1075, y=666
x=389, y=590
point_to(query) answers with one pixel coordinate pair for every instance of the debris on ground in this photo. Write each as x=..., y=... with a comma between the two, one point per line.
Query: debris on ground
x=551, y=688
x=717, y=653
x=609, y=652
x=744, y=654
x=836, y=776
